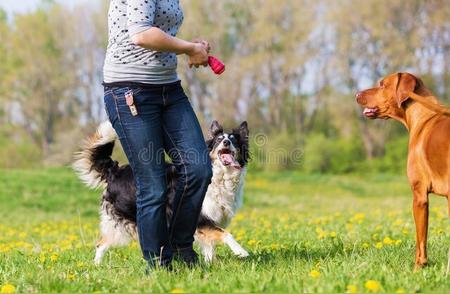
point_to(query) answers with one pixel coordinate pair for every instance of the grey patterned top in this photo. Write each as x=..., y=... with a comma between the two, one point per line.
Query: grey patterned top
x=127, y=62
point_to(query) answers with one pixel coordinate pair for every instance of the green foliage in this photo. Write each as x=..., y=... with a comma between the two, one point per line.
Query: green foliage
x=395, y=158
x=18, y=152
x=275, y=152
x=332, y=155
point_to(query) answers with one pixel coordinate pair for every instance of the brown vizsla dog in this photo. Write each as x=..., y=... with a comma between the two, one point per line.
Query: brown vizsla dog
x=404, y=97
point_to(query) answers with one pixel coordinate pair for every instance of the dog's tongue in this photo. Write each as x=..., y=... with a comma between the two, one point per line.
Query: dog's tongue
x=228, y=159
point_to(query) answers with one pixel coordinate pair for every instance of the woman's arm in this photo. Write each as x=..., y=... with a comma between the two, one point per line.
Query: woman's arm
x=157, y=40
x=143, y=33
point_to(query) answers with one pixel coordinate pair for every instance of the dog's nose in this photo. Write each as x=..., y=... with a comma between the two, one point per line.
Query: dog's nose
x=360, y=98
x=226, y=143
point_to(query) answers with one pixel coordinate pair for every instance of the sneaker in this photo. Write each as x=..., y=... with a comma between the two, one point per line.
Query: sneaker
x=186, y=255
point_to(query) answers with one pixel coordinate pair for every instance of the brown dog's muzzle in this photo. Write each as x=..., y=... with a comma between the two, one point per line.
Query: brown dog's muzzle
x=360, y=98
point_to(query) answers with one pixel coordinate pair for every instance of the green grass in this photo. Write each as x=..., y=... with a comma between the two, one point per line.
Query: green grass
x=305, y=233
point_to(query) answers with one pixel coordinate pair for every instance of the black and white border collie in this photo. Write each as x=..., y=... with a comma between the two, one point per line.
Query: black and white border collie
x=229, y=155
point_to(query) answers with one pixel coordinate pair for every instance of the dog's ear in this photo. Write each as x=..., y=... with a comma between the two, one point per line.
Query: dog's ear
x=243, y=130
x=244, y=152
x=215, y=129
x=406, y=83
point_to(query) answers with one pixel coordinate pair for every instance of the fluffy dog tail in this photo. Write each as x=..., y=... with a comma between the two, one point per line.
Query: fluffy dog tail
x=93, y=163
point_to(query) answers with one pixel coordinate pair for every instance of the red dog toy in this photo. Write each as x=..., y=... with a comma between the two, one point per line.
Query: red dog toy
x=217, y=66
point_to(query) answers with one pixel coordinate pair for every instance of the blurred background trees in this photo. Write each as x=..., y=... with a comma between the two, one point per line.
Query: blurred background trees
x=293, y=67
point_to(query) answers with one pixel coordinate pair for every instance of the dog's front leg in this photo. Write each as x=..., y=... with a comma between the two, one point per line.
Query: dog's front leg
x=420, y=207
x=234, y=245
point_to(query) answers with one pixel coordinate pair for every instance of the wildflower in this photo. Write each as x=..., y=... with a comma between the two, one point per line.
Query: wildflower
x=80, y=264
x=7, y=289
x=379, y=245
x=398, y=222
x=42, y=258
x=365, y=245
x=400, y=291
x=358, y=218
x=71, y=277
x=274, y=246
x=177, y=291
x=314, y=274
x=251, y=242
x=352, y=289
x=388, y=241
x=54, y=257
x=333, y=234
x=398, y=242
x=372, y=285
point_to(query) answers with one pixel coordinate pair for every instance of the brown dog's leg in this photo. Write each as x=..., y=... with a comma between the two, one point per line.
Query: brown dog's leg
x=421, y=219
x=209, y=236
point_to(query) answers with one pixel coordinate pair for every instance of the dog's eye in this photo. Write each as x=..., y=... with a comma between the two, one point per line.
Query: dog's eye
x=231, y=137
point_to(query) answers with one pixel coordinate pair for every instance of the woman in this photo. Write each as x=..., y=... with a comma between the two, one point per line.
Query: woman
x=151, y=114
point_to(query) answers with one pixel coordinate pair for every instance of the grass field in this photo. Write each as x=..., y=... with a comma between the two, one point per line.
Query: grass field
x=304, y=233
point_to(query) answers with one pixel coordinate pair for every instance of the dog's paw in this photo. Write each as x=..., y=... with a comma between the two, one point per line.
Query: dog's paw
x=242, y=254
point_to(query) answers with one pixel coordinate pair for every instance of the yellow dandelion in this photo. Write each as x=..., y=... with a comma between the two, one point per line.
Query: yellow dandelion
x=314, y=274
x=80, y=264
x=333, y=234
x=177, y=291
x=388, y=241
x=398, y=222
x=379, y=245
x=400, y=291
x=398, y=242
x=352, y=289
x=274, y=246
x=71, y=277
x=372, y=285
x=7, y=289
x=251, y=242
x=42, y=258
x=54, y=257
x=365, y=245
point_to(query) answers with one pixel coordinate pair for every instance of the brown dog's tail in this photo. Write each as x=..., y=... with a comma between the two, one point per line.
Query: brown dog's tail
x=431, y=103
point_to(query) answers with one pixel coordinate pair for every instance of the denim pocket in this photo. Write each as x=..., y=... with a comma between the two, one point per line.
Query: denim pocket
x=119, y=93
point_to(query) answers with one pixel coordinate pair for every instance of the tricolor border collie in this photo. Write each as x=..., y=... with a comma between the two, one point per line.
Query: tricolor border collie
x=229, y=155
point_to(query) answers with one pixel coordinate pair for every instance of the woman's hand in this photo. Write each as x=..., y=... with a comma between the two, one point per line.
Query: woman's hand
x=198, y=55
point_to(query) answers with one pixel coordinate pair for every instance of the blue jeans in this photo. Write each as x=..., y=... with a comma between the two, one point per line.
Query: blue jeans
x=165, y=122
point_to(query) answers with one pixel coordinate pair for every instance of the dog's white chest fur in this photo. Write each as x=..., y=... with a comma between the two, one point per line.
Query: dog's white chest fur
x=224, y=194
